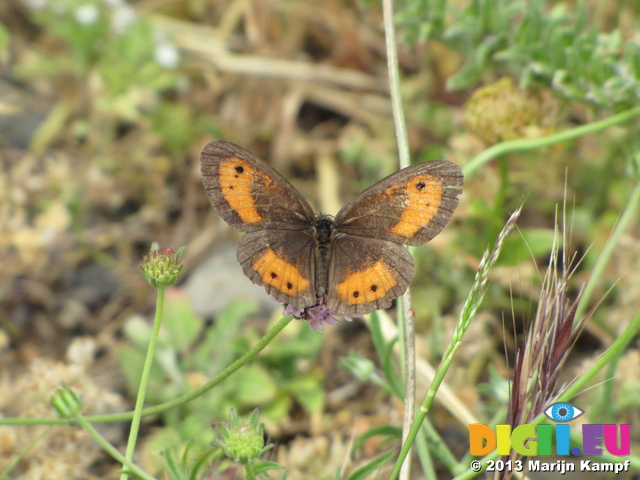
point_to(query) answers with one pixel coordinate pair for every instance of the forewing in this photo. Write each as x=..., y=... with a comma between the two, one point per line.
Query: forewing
x=248, y=193
x=366, y=274
x=283, y=262
x=409, y=207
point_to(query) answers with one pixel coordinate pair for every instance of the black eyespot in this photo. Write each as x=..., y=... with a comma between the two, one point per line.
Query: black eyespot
x=420, y=185
x=274, y=275
x=374, y=288
x=239, y=169
x=356, y=294
x=230, y=187
x=289, y=285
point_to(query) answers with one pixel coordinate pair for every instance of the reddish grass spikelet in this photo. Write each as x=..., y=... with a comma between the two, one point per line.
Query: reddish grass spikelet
x=546, y=347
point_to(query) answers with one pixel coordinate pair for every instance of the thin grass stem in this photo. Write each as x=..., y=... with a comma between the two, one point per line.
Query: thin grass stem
x=144, y=381
x=621, y=226
x=405, y=321
x=478, y=290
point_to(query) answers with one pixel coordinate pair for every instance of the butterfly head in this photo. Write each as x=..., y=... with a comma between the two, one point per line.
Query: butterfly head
x=325, y=228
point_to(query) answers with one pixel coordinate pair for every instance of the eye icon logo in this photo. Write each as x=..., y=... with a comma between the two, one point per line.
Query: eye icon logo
x=545, y=439
x=563, y=412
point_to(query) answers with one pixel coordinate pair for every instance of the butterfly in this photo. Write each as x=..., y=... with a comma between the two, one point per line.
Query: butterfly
x=349, y=265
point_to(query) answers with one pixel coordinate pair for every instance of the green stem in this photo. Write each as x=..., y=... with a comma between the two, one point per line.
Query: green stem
x=124, y=416
x=223, y=375
x=5, y=475
x=424, y=408
x=394, y=84
x=110, y=449
x=533, y=143
x=248, y=467
x=616, y=348
x=144, y=381
x=622, y=224
x=404, y=318
x=476, y=295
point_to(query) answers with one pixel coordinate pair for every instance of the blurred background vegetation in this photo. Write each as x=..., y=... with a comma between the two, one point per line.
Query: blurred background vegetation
x=104, y=108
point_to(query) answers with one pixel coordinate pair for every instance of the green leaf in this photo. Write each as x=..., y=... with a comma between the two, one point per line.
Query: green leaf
x=360, y=367
x=217, y=349
x=261, y=467
x=201, y=462
x=131, y=362
x=386, y=430
x=172, y=466
x=308, y=392
x=181, y=323
x=278, y=409
x=384, y=351
x=375, y=464
x=255, y=385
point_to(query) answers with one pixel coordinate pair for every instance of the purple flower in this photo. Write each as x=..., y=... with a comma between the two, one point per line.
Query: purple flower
x=316, y=315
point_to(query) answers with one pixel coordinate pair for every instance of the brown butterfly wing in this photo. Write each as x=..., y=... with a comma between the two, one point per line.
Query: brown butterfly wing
x=248, y=193
x=409, y=207
x=277, y=251
x=283, y=262
x=366, y=274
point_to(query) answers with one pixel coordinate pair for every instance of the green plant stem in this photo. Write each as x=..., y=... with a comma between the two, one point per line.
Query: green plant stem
x=533, y=143
x=251, y=475
x=144, y=381
x=405, y=321
x=620, y=227
x=124, y=416
x=110, y=449
x=5, y=474
x=476, y=295
x=223, y=375
x=394, y=84
x=578, y=385
x=422, y=412
x=616, y=348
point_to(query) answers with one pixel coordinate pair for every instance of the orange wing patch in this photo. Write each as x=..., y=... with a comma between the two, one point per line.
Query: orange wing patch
x=424, y=196
x=367, y=285
x=281, y=275
x=235, y=176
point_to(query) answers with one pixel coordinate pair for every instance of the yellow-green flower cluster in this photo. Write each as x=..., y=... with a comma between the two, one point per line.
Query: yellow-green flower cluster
x=161, y=267
x=241, y=441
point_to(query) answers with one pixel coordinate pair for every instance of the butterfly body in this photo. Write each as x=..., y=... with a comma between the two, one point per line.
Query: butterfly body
x=355, y=263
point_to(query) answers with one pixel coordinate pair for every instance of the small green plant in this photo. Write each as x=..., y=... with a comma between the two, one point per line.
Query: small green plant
x=112, y=38
x=536, y=43
x=243, y=442
x=161, y=269
x=189, y=352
